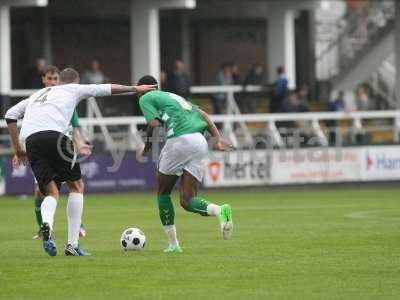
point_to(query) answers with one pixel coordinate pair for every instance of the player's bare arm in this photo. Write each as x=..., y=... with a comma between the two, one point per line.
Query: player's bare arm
x=19, y=152
x=220, y=143
x=121, y=89
x=12, y=115
x=82, y=147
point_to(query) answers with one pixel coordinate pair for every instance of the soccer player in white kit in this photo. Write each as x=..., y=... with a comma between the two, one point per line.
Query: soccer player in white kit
x=46, y=117
x=51, y=77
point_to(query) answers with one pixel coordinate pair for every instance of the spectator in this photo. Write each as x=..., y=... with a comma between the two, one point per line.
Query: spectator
x=304, y=94
x=33, y=78
x=254, y=77
x=279, y=90
x=362, y=99
x=179, y=81
x=292, y=104
x=236, y=75
x=237, y=80
x=163, y=80
x=224, y=77
x=94, y=75
x=338, y=104
x=362, y=104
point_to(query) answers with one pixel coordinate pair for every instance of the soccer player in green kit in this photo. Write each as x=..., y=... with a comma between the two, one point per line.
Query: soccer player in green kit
x=183, y=155
x=51, y=77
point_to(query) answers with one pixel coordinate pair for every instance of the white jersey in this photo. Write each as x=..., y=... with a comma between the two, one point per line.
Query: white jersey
x=52, y=108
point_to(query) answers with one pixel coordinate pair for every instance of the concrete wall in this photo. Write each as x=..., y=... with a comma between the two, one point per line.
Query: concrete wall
x=223, y=40
x=76, y=40
x=220, y=30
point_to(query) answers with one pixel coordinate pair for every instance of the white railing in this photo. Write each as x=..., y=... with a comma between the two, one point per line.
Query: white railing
x=234, y=116
x=231, y=106
x=270, y=120
x=315, y=119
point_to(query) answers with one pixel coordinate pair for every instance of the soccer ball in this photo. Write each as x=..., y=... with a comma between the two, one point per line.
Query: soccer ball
x=133, y=239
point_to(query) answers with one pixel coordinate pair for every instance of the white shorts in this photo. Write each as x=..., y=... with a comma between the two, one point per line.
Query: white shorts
x=186, y=152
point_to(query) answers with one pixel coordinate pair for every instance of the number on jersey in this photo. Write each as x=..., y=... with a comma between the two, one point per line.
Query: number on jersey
x=182, y=102
x=43, y=97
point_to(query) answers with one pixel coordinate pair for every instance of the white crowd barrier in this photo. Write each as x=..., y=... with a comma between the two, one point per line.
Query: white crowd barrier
x=233, y=116
x=270, y=120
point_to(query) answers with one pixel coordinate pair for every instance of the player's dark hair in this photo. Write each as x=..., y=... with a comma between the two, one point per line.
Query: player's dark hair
x=50, y=69
x=148, y=79
x=69, y=75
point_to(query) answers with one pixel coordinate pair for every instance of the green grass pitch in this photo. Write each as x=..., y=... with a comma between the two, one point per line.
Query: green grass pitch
x=342, y=244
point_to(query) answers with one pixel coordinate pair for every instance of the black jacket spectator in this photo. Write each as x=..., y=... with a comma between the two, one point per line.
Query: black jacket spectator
x=178, y=82
x=254, y=77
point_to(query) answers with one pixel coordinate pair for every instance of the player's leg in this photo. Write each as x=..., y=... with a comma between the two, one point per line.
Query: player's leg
x=48, y=209
x=166, y=209
x=69, y=171
x=42, y=151
x=38, y=202
x=49, y=203
x=74, y=215
x=82, y=229
x=191, y=202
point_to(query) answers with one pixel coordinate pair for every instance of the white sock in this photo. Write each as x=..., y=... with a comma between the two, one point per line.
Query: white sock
x=74, y=214
x=48, y=209
x=213, y=209
x=170, y=230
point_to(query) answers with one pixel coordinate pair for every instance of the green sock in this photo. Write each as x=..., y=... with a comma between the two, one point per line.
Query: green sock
x=166, y=210
x=198, y=205
x=38, y=213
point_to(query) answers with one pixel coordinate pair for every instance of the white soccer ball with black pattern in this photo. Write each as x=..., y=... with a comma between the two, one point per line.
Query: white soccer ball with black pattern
x=133, y=239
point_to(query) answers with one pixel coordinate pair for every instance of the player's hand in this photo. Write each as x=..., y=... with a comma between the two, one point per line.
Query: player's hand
x=84, y=149
x=144, y=88
x=146, y=150
x=141, y=154
x=19, y=158
x=223, y=145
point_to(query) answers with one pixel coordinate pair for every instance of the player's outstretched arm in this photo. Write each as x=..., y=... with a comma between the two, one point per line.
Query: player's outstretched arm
x=220, y=143
x=121, y=89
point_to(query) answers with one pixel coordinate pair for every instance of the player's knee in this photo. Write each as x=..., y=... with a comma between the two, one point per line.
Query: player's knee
x=52, y=191
x=76, y=186
x=163, y=191
x=184, y=203
x=82, y=186
x=38, y=193
x=79, y=187
x=185, y=199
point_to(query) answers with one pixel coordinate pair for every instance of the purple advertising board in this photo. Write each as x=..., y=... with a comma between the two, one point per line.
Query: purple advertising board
x=101, y=173
x=18, y=181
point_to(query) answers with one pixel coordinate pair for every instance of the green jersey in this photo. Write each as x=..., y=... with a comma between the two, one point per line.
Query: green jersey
x=177, y=115
x=75, y=120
